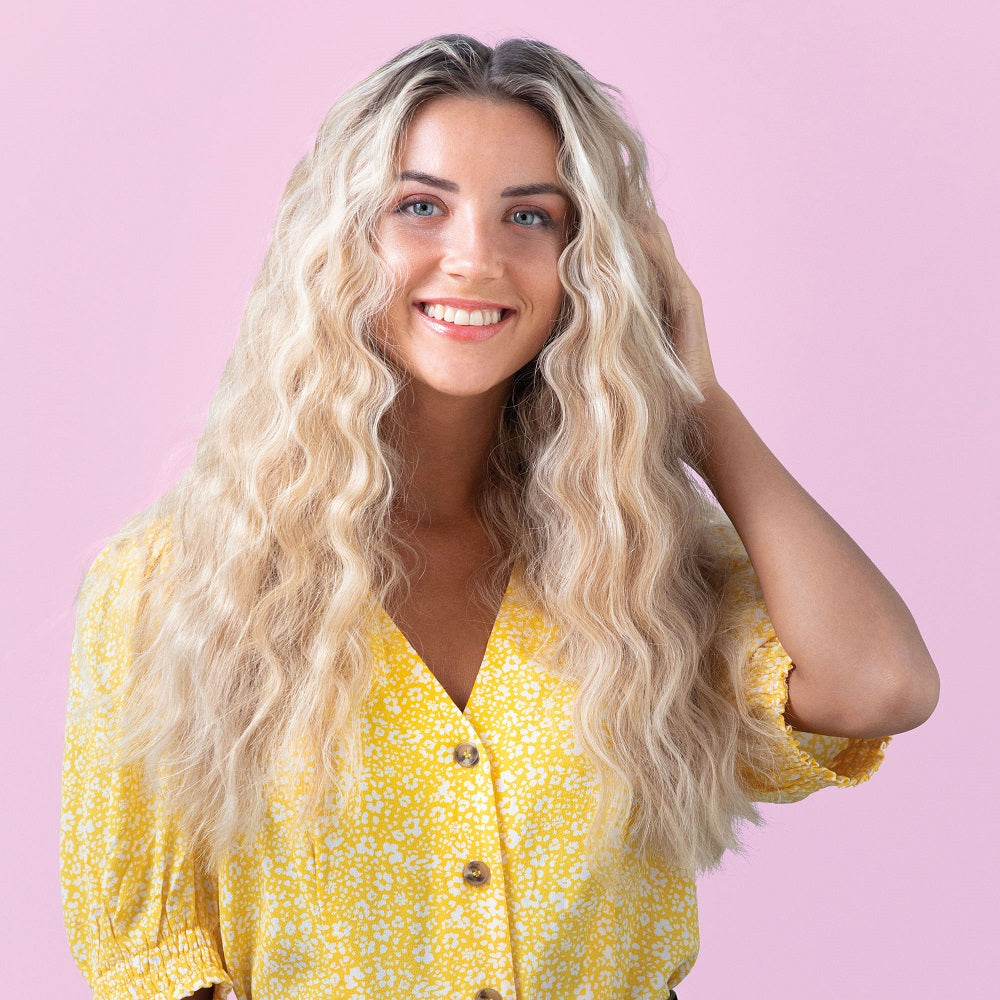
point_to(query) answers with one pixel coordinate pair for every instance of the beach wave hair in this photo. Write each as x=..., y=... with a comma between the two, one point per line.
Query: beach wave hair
x=253, y=634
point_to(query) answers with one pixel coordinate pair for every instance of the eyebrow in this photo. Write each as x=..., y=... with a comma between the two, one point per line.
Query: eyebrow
x=518, y=191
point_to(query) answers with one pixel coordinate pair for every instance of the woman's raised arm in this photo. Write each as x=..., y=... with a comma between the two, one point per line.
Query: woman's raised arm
x=861, y=666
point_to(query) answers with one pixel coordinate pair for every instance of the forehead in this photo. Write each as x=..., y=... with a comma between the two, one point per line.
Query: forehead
x=449, y=134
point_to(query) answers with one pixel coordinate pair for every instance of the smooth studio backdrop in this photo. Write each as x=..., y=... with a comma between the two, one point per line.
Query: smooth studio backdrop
x=828, y=173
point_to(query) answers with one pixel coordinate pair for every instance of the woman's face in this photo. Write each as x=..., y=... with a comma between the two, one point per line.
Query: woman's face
x=473, y=240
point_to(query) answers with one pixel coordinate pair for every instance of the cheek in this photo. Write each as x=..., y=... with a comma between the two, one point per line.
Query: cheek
x=399, y=264
x=402, y=252
x=537, y=272
x=550, y=289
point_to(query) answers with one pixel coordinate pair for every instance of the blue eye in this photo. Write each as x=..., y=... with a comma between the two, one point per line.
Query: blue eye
x=421, y=209
x=529, y=217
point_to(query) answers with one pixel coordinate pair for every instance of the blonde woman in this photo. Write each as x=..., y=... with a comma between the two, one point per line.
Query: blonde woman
x=439, y=673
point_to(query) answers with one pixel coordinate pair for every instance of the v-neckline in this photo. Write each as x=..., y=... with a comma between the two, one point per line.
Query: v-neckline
x=397, y=637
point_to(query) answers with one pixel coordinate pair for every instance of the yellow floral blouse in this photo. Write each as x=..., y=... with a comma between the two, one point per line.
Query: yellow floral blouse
x=456, y=874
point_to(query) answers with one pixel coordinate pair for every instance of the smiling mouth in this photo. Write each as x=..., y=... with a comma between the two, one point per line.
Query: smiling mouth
x=463, y=317
x=457, y=323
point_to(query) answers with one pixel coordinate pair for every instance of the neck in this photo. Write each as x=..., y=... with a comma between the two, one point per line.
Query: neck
x=445, y=442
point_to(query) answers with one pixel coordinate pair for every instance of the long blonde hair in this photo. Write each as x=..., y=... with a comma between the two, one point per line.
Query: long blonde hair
x=253, y=636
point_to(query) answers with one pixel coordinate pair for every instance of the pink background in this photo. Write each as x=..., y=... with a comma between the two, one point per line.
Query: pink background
x=829, y=174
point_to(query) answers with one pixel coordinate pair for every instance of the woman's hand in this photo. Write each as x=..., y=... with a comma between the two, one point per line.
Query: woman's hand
x=682, y=305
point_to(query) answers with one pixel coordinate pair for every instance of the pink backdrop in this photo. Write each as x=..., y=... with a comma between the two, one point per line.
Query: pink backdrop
x=829, y=176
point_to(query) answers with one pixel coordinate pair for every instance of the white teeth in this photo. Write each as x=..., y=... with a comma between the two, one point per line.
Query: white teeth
x=462, y=317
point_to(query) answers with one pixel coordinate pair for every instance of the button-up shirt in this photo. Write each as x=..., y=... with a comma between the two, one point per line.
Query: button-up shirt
x=458, y=869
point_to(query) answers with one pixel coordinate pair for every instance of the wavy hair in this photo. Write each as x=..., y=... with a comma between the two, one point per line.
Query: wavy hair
x=252, y=635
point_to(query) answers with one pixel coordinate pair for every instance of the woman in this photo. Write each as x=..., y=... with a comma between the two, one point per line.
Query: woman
x=439, y=672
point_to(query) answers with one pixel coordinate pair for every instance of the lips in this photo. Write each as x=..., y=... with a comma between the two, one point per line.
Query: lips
x=463, y=319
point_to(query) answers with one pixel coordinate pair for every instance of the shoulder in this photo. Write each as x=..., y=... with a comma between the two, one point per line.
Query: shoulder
x=126, y=559
x=723, y=548
x=743, y=612
x=108, y=598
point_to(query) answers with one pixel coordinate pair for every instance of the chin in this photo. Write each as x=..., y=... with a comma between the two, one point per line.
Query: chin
x=460, y=387
x=462, y=390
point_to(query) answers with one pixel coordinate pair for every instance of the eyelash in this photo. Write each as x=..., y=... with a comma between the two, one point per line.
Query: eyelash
x=545, y=221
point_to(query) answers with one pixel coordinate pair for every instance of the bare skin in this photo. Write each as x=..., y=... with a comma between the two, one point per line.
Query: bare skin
x=458, y=232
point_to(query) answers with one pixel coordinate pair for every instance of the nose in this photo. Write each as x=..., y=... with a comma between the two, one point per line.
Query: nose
x=473, y=248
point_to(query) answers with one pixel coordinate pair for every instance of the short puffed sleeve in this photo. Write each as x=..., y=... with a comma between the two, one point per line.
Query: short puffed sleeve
x=141, y=916
x=803, y=762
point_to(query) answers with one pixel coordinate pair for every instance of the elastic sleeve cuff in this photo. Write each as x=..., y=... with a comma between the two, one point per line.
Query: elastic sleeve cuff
x=804, y=762
x=172, y=970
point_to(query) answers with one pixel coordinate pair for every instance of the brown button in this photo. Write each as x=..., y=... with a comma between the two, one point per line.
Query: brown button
x=476, y=873
x=488, y=994
x=466, y=754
